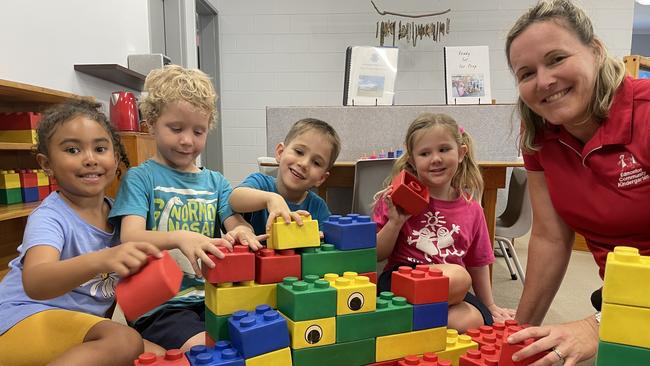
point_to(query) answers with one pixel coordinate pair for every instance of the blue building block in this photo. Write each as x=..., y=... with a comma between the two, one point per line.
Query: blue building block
x=260, y=332
x=222, y=354
x=432, y=315
x=350, y=232
x=29, y=194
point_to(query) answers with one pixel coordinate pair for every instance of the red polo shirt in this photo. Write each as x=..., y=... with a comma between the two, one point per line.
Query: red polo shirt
x=602, y=188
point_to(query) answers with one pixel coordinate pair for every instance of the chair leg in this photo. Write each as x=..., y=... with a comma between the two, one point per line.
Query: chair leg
x=515, y=259
x=513, y=274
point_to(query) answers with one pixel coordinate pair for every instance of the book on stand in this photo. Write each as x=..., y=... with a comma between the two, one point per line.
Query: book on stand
x=467, y=75
x=370, y=74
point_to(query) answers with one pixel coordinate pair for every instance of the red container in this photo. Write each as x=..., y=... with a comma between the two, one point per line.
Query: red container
x=124, y=111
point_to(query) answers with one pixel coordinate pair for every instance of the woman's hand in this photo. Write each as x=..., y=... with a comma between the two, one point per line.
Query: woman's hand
x=500, y=315
x=567, y=343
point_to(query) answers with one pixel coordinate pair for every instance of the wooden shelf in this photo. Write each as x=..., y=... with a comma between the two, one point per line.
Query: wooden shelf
x=114, y=73
x=8, y=212
x=15, y=146
x=16, y=97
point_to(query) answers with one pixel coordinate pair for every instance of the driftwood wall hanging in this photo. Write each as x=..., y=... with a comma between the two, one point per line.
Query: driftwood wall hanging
x=412, y=31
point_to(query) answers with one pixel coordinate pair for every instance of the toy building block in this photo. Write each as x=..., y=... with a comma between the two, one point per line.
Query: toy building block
x=457, y=345
x=54, y=186
x=412, y=343
x=612, y=354
x=9, y=179
x=19, y=136
x=27, y=178
x=432, y=315
x=306, y=300
x=226, y=298
x=327, y=259
x=340, y=354
x=371, y=275
x=485, y=336
x=236, y=266
x=350, y=232
x=271, y=266
x=41, y=178
x=221, y=354
x=409, y=193
x=624, y=266
x=173, y=357
x=422, y=285
x=29, y=194
x=216, y=326
x=20, y=120
x=209, y=341
x=625, y=325
x=291, y=236
x=281, y=357
x=354, y=294
x=43, y=191
x=254, y=334
x=507, y=350
x=427, y=359
x=384, y=363
x=10, y=196
x=354, y=327
x=158, y=281
x=487, y=356
x=312, y=333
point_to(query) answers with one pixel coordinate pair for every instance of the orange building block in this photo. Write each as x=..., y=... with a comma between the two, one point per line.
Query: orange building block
x=422, y=285
x=409, y=193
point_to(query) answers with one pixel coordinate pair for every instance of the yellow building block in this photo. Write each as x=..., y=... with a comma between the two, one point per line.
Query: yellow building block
x=24, y=136
x=625, y=325
x=354, y=294
x=41, y=177
x=311, y=333
x=627, y=278
x=457, y=345
x=281, y=357
x=290, y=236
x=227, y=298
x=9, y=179
x=395, y=346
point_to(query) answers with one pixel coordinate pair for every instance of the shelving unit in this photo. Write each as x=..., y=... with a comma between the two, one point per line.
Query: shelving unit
x=114, y=73
x=634, y=63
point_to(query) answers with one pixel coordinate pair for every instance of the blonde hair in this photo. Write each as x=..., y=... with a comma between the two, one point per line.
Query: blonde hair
x=174, y=83
x=322, y=127
x=609, y=76
x=467, y=180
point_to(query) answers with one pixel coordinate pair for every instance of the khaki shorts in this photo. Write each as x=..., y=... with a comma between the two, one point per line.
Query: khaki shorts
x=44, y=336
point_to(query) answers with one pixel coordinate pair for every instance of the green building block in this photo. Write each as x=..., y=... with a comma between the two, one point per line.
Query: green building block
x=308, y=299
x=217, y=325
x=393, y=315
x=10, y=196
x=327, y=259
x=340, y=354
x=612, y=354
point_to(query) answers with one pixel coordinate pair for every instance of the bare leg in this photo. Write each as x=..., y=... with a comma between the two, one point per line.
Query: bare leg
x=459, y=282
x=464, y=316
x=107, y=343
x=196, y=340
x=153, y=348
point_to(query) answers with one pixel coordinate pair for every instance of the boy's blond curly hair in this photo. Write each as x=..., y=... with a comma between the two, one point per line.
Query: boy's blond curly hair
x=174, y=83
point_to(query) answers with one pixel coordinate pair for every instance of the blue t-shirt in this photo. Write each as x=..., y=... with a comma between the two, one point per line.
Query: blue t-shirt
x=313, y=204
x=55, y=224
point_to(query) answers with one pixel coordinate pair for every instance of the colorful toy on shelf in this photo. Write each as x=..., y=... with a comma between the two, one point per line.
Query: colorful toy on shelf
x=10, y=192
x=158, y=281
x=19, y=127
x=409, y=193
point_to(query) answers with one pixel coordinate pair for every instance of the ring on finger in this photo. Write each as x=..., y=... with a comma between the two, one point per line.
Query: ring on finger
x=559, y=354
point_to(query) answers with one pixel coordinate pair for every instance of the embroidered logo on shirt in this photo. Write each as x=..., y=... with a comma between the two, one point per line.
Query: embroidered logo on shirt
x=632, y=173
x=434, y=239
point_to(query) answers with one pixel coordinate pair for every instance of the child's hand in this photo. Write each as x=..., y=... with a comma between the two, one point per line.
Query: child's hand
x=501, y=314
x=395, y=213
x=244, y=235
x=278, y=207
x=195, y=246
x=127, y=258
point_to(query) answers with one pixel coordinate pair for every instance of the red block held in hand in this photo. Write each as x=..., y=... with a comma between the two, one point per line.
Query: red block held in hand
x=158, y=281
x=236, y=266
x=409, y=193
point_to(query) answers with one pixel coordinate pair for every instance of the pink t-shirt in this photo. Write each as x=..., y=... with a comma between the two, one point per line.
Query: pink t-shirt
x=446, y=232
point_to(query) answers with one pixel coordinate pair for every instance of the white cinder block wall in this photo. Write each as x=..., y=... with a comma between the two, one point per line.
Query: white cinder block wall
x=292, y=53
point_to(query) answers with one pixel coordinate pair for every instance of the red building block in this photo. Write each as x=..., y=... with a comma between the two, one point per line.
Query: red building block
x=507, y=350
x=27, y=178
x=422, y=285
x=158, y=281
x=20, y=120
x=384, y=363
x=236, y=266
x=427, y=359
x=43, y=191
x=173, y=357
x=209, y=341
x=371, y=275
x=409, y=193
x=271, y=266
x=487, y=336
x=488, y=356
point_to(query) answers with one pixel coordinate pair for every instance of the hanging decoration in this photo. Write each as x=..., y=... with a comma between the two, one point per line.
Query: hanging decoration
x=411, y=31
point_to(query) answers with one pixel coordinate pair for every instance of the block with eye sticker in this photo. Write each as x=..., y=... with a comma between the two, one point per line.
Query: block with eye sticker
x=354, y=293
x=311, y=333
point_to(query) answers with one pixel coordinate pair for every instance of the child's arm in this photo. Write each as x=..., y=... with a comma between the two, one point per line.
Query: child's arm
x=483, y=290
x=387, y=236
x=193, y=245
x=245, y=199
x=241, y=231
x=46, y=277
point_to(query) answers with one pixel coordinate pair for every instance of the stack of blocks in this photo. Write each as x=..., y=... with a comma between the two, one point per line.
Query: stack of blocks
x=625, y=320
x=19, y=127
x=10, y=192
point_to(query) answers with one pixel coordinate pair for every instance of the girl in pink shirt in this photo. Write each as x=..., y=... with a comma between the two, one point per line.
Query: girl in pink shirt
x=451, y=233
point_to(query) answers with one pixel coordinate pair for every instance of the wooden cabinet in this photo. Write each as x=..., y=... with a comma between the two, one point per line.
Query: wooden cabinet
x=636, y=63
x=139, y=147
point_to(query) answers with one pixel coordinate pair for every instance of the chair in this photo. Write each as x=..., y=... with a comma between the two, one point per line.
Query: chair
x=369, y=176
x=268, y=170
x=515, y=221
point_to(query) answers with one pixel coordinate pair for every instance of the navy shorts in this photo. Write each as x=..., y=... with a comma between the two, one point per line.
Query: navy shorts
x=171, y=327
x=383, y=284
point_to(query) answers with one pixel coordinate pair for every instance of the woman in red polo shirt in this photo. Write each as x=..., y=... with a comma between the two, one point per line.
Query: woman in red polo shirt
x=585, y=137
